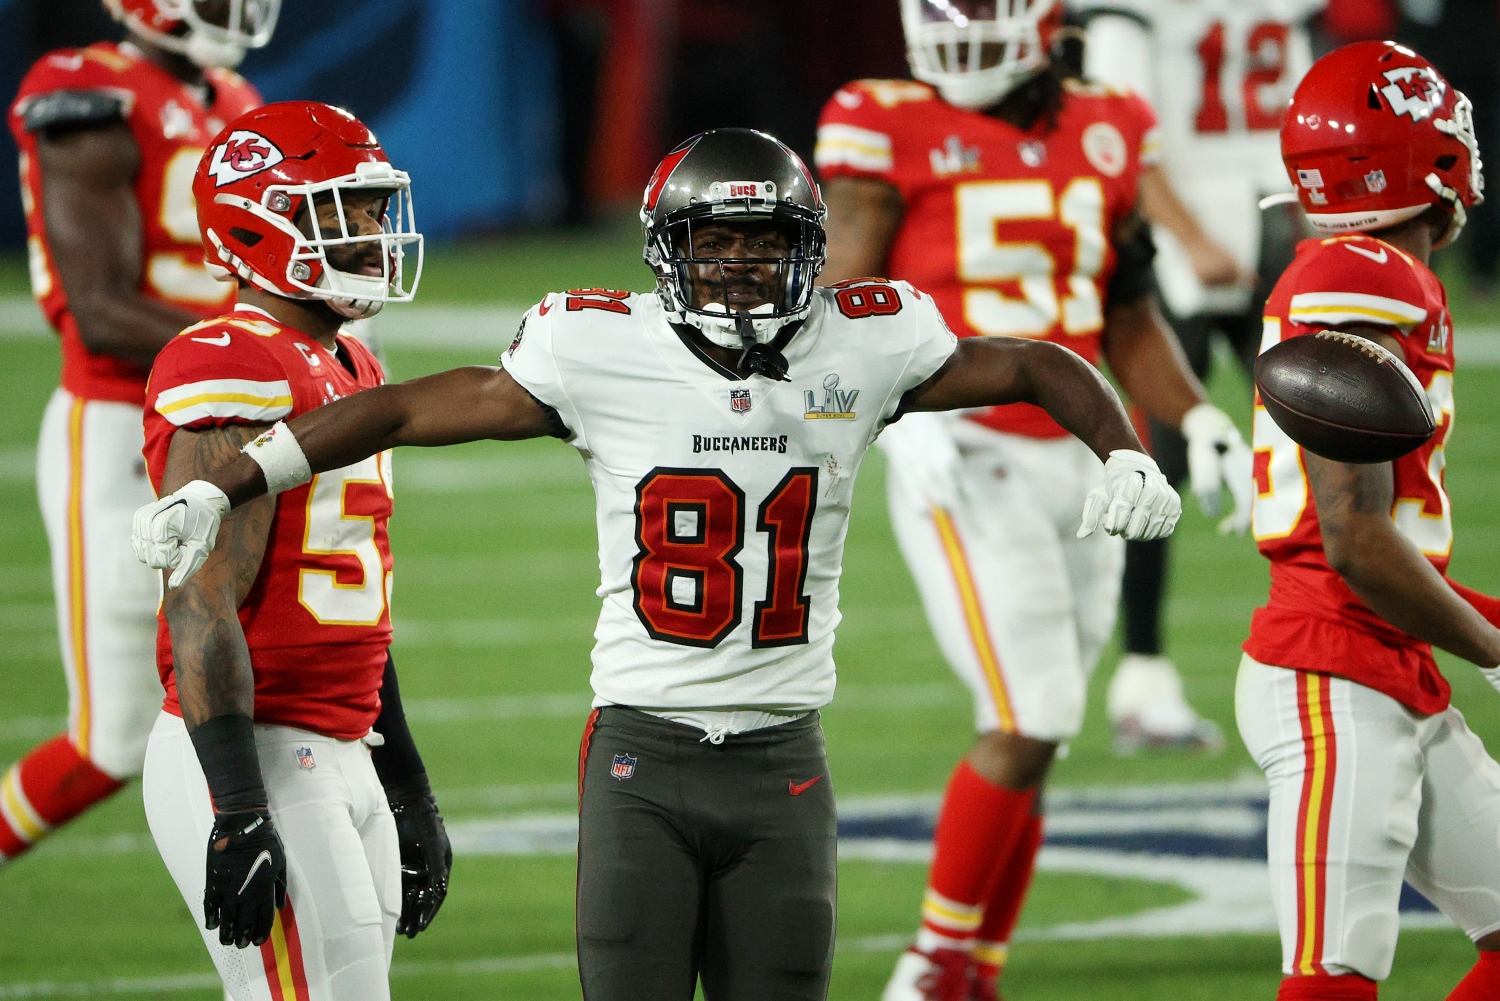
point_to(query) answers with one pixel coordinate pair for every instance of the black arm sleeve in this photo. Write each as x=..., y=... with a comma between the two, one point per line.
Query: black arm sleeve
x=1134, y=279
x=226, y=751
x=397, y=762
x=65, y=110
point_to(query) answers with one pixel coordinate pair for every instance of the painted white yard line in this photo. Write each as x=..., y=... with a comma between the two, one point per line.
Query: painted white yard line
x=563, y=705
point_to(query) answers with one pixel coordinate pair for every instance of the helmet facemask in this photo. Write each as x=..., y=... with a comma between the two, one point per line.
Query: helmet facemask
x=356, y=272
x=1460, y=127
x=975, y=52
x=210, y=33
x=723, y=296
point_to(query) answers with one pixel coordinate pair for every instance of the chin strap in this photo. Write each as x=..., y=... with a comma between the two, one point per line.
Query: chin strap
x=758, y=357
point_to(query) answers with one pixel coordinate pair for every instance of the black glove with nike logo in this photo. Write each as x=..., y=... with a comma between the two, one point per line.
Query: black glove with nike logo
x=426, y=860
x=246, y=878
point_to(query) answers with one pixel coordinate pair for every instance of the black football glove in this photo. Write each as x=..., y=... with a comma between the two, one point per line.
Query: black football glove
x=246, y=878
x=426, y=860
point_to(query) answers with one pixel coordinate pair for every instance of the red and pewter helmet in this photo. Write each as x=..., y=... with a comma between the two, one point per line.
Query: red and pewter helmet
x=977, y=51
x=1375, y=136
x=259, y=186
x=208, y=32
x=741, y=175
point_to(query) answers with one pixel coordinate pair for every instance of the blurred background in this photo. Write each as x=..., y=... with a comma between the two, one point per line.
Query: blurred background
x=546, y=113
x=529, y=128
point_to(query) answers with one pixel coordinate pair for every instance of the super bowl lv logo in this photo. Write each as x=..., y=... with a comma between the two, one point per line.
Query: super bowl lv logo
x=838, y=404
x=243, y=154
x=623, y=767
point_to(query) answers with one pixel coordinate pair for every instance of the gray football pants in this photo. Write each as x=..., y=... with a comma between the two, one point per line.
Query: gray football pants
x=696, y=859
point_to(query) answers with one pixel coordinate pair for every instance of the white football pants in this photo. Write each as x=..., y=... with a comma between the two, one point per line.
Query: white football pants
x=90, y=479
x=1364, y=793
x=1020, y=607
x=333, y=940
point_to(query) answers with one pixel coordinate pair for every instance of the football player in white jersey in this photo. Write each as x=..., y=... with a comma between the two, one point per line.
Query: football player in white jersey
x=723, y=421
x=1219, y=73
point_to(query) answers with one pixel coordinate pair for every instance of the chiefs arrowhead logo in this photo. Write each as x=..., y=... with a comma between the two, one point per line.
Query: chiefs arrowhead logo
x=242, y=155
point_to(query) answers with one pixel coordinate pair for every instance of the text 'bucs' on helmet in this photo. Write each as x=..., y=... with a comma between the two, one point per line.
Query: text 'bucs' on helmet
x=1374, y=136
x=977, y=51
x=738, y=178
x=208, y=32
x=276, y=191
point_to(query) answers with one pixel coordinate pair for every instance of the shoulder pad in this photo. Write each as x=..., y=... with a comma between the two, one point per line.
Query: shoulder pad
x=75, y=109
x=884, y=93
x=1358, y=280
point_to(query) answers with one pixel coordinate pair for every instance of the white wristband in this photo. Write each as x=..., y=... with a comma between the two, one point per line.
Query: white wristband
x=280, y=458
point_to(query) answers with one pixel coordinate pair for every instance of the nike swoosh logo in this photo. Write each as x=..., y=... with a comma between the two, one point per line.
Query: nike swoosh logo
x=1379, y=258
x=545, y=306
x=222, y=341
x=264, y=858
x=797, y=789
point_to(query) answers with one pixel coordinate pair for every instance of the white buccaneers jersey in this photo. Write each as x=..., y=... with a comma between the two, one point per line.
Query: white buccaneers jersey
x=723, y=503
x=1219, y=74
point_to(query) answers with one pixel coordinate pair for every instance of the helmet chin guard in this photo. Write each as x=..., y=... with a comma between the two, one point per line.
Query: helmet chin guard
x=733, y=177
x=176, y=25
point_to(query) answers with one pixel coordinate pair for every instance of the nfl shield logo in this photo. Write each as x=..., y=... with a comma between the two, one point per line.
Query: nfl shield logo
x=739, y=401
x=624, y=767
x=1375, y=182
x=305, y=758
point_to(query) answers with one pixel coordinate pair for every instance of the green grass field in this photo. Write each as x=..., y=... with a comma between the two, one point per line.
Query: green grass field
x=496, y=569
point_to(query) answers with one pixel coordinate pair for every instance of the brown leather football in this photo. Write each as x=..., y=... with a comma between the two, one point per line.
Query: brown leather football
x=1344, y=397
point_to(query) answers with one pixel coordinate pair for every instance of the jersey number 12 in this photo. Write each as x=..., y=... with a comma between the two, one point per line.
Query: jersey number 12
x=690, y=526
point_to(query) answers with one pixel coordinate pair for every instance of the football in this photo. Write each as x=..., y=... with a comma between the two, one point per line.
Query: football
x=1344, y=397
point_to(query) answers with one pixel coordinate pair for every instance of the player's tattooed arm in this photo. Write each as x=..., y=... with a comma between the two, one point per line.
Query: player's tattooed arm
x=210, y=657
x=863, y=216
x=462, y=404
x=93, y=224
x=1384, y=569
x=993, y=371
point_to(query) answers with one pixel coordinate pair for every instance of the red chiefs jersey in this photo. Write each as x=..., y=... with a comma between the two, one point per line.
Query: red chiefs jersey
x=1313, y=621
x=317, y=620
x=1008, y=230
x=172, y=126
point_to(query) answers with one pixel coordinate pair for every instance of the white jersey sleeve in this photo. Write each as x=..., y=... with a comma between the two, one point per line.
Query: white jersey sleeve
x=932, y=345
x=531, y=362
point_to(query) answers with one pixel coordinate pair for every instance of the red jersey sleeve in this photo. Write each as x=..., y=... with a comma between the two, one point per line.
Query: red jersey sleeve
x=1357, y=281
x=212, y=375
x=45, y=88
x=864, y=131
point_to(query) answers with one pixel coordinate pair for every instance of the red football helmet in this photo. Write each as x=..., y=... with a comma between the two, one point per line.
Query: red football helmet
x=1375, y=136
x=260, y=187
x=178, y=26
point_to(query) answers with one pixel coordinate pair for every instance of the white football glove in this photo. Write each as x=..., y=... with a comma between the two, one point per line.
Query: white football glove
x=1135, y=500
x=179, y=531
x=921, y=451
x=1217, y=458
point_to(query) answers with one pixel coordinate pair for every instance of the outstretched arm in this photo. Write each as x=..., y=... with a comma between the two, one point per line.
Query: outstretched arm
x=462, y=404
x=993, y=371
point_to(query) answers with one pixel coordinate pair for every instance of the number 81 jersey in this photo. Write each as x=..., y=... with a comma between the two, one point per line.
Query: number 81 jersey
x=317, y=619
x=723, y=503
x=1313, y=621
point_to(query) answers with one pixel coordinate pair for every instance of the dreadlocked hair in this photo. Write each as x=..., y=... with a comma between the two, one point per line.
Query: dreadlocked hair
x=1038, y=99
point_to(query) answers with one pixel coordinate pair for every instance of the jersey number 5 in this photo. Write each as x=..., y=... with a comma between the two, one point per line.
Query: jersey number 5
x=690, y=526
